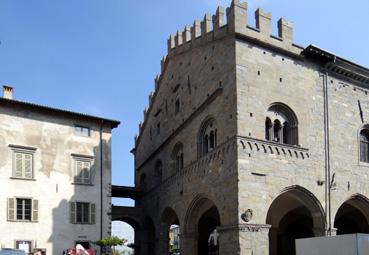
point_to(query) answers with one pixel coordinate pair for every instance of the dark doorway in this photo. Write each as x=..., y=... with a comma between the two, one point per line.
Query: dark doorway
x=208, y=243
x=294, y=225
x=170, y=232
x=294, y=214
x=350, y=219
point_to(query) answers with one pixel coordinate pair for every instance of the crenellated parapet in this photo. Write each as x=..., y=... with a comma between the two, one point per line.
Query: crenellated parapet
x=215, y=26
x=230, y=21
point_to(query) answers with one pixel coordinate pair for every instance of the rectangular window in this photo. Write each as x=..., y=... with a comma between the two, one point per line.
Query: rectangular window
x=22, y=209
x=82, y=213
x=22, y=164
x=25, y=246
x=82, y=171
x=82, y=131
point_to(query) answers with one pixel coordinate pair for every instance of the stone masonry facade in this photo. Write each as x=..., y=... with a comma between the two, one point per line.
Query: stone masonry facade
x=254, y=136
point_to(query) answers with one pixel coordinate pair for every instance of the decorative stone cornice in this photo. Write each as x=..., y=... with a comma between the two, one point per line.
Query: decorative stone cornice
x=245, y=228
x=254, y=145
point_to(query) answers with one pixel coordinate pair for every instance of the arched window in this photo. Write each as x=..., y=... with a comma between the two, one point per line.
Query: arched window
x=277, y=128
x=143, y=184
x=364, y=145
x=268, y=129
x=158, y=172
x=207, y=140
x=177, y=157
x=286, y=133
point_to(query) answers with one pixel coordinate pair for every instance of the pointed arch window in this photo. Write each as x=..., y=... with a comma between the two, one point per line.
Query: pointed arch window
x=207, y=140
x=281, y=125
x=177, y=157
x=364, y=145
x=143, y=183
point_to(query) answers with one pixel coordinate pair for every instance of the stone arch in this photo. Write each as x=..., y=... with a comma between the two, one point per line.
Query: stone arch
x=294, y=213
x=207, y=136
x=353, y=215
x=168, y=219
x=201, y=221
x=135, y=224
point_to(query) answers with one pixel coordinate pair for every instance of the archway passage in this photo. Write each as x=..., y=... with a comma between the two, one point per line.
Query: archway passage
x=208, y=242
x=127, y=229
x=170, y=232
x=294, y=214
x=202, y=220
x=352, y=216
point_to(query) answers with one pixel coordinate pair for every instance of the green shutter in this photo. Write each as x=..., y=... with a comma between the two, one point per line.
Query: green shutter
x=72, y=212
x=18, y=165
x=92, y=213
x=34, y=210
x=11, y=209
x=27, y=165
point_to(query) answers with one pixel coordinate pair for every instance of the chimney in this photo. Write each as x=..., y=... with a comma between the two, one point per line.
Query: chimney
x=8, y=92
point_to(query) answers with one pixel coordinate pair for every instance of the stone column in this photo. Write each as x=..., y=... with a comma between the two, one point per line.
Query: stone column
x=273, y=240
x=228, y=240
x=188, y=243
x=163, y=243
x=319, y=231
x=254, y=239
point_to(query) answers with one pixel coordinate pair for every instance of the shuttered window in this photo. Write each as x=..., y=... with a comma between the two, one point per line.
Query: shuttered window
x=364, y=146
x=22, y=209
x=23, y=165
x=82, y=169
x=82, y=213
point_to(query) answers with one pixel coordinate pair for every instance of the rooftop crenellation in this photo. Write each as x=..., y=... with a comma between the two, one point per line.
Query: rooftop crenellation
x=236, y=22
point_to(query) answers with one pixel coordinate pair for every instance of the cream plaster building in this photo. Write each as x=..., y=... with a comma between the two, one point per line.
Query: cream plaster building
x=55, y=172
x=252, y=135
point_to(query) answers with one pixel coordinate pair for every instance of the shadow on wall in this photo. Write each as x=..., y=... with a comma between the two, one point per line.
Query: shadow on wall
x=77, y=217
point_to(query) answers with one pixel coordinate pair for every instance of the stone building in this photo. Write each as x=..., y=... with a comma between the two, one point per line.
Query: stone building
x=254, y=136
x=55, y=173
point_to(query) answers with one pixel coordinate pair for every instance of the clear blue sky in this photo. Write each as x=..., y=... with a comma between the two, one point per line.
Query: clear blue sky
x=100, y=56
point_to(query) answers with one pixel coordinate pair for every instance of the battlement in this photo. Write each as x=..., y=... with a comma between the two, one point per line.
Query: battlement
x=229, y=21
x=216, y=26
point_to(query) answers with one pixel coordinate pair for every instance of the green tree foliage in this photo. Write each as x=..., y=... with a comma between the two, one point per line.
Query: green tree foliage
x=111, y=242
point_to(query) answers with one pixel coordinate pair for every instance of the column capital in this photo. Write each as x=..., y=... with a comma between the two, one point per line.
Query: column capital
x=245, y=228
